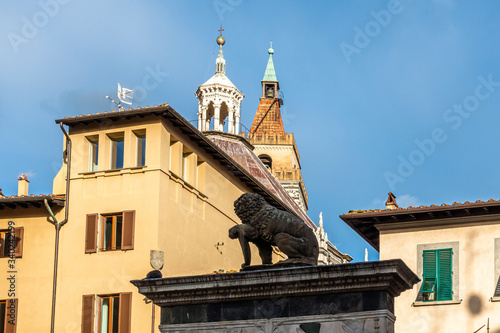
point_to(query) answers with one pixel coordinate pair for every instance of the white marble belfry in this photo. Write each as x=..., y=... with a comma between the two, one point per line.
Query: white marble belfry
x=219, y=101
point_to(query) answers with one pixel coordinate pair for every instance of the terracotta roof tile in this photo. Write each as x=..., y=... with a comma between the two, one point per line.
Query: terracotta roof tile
x=456, y=204
x=33, y=196
x=268, y=119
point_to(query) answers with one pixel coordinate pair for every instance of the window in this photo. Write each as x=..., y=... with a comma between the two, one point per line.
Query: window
x=6, y=237
x=141, y=148
x=8, y=315
x=109, y=309
x=199, y=173
x=5, y=243
x=117, y=149
x=437, y=279
x=112, y=313
x=496, y=293
x=116, y=231
x=497, y=289
x=3, y=308
x=187, y=165
x=438, y=267
x=93, y=153
x=112, y=232
x=175, y=155
x=267, y=161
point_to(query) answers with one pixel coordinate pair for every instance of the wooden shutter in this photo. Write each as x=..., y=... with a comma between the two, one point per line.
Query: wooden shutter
x=125, y=312
x=18, y=252
x=11, y=317
x=91, y=233
x=128, y=230
x=445, y=275
x=88, y=313
x=430, y=265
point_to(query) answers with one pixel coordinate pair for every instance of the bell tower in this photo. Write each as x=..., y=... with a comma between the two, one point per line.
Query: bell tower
x=219, y=101
x=275, y=148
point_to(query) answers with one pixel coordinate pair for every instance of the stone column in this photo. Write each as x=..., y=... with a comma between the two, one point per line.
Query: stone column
x=230, y=127
x=216, y=117
x=203, y=118
x=199, y=120
x=237, y=122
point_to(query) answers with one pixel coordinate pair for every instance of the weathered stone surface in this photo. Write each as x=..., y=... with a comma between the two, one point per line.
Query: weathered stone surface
x=279, y=307
x=341, y=298
x=367, y=322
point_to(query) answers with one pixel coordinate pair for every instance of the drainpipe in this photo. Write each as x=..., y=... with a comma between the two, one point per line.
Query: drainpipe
x=58, y=226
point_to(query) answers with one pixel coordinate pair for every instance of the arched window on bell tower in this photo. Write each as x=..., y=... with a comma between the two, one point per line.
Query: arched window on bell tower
x=267, y=161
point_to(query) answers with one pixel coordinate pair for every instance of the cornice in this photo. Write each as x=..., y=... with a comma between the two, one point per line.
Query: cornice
x=390, y=275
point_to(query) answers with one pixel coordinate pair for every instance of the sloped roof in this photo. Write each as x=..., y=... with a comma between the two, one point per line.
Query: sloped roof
x=270, y=73
x=268, y=119
x=240, y=152
x=26, y=201
x=367, y=222
x=219, y=78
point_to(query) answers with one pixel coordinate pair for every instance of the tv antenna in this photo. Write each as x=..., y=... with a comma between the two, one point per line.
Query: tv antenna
x=124, y=96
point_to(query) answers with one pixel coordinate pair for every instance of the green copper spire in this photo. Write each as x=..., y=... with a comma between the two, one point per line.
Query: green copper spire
x=270, y=74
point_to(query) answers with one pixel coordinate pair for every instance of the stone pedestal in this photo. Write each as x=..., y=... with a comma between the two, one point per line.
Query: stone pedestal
x=339, y=298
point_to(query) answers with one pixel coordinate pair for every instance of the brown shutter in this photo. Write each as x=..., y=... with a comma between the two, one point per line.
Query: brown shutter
x=128, y=230
x=18, y=252
x=88, y=313
x=91, y=233
x=11, y=315
x=124, y=322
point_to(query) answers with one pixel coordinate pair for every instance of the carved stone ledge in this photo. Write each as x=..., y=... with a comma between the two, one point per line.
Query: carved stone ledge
x=392, y=276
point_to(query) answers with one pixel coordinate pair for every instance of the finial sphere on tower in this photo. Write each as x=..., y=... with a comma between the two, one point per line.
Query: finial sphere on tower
x=271, y=51
x=221, y=40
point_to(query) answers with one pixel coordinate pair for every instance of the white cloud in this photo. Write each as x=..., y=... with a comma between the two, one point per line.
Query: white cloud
x=407, y=200
x=378, y=204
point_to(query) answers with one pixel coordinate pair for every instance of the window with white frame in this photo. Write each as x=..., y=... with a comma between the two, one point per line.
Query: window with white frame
x=438, y=267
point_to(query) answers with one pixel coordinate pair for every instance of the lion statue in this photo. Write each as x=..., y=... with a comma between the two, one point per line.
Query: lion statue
x=265, y=226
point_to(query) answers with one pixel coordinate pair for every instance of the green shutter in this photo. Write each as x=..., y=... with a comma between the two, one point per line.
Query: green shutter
x=445, y=275
x=438, y=267
x=428, y=286
x=430, y=264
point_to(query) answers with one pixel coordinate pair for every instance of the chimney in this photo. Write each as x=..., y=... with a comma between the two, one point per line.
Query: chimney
x=22, y=185
x=391, y=202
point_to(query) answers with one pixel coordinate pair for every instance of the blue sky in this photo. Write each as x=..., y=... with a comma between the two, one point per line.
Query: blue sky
x=400, y=96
